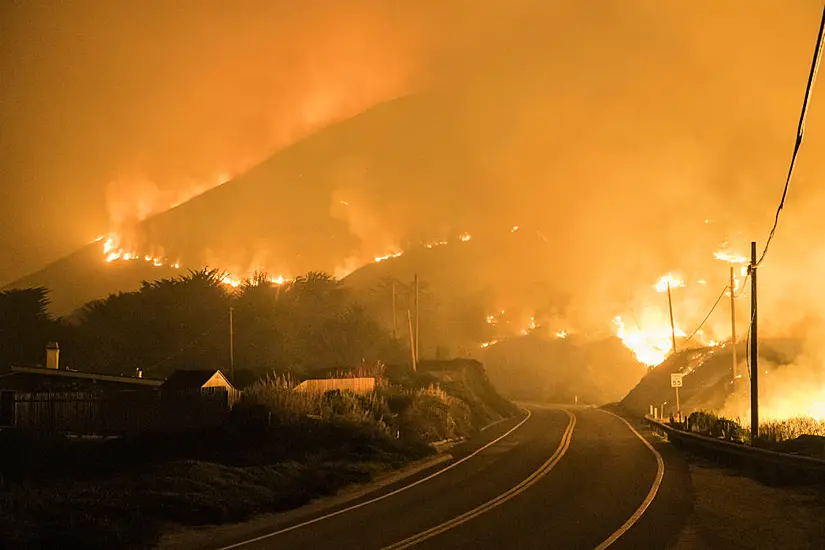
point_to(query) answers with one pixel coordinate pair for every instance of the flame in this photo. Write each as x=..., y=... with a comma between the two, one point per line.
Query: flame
x=514, y=229
x=112, y=251
x=388, y=256
x=729, y=257
x=561, y=334
x=674, y=282
x=231, y=280
x=488, y=344
x=464, y=237
x=650, y=346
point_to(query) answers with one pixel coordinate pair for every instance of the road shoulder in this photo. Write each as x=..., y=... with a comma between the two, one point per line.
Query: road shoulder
x=733, y=511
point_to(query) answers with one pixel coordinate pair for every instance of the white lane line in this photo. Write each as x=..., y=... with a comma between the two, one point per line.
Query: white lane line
x=654, y=489
x=533, y=478
x=381, y=497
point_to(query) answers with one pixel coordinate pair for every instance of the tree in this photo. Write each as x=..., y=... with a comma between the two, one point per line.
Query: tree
x=25, y=326
x=167, y=324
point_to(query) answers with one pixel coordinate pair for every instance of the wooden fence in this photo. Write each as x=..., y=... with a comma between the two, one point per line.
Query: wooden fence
x=119, y=412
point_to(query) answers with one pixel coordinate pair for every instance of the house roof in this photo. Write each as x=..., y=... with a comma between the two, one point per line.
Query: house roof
x=189, y=379
x=41, y=371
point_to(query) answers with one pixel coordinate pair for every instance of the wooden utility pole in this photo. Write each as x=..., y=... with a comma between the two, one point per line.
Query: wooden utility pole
x=231, y=346
x=754, y=351
x=412, y=343
x=394, y=315
x=417, y=343
x=734, y=371
x=672, y=326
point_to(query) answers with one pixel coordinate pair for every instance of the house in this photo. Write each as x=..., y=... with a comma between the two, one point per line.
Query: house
x=205, y=381
x=45, y=379
x=53, y=378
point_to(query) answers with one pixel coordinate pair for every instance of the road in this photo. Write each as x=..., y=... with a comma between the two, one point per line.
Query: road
x=568, y=477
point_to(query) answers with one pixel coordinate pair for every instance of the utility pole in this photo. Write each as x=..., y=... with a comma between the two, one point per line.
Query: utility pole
x=754, y=351
x=733, y=325
x=678, y=406
x=417, y=343
x=672, y=326
x=412, y=343
x=394, y=316
x=231, y=346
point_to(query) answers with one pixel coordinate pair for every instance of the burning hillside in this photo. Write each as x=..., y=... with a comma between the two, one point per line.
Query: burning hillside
x=598, y=181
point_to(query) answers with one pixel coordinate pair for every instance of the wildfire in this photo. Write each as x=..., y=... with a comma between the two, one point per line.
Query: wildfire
x=379, y=259
x=668, y=280
x=112, y=251
x=651, y=346
x=232, y=281
x=730, y=258
x=488, y=344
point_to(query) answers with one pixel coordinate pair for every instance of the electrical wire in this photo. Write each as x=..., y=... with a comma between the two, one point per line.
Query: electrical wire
x=719, y=299
x=800, y=132
x=744, y=286
x=748, y=345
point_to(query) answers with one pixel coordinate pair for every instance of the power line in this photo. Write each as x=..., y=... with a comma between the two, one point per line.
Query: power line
x=744, y=285
x=748, y=345
x=800, y=132
x=719, y=299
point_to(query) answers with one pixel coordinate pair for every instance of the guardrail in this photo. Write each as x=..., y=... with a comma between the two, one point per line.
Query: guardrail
x=769, y=465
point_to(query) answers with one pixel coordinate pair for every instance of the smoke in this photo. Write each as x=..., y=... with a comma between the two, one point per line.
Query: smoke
x=122, y=115
x=791, y=384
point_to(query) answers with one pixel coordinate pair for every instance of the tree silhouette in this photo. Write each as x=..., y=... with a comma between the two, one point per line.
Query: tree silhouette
x=309, y=323
x=25, y=326
x=167, y=324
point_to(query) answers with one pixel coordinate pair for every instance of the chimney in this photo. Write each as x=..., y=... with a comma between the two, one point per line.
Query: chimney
x=52, y=355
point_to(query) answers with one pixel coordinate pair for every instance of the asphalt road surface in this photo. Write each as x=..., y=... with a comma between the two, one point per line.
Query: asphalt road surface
x=568, y=477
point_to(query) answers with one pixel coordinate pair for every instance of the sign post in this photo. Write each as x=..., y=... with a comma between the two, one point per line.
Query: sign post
x=676, y=382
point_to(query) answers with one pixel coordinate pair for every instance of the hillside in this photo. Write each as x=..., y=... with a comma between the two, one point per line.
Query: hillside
x=287, y=214
x=707, y=380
